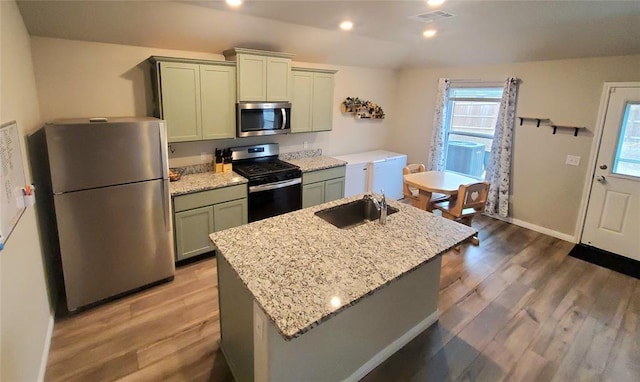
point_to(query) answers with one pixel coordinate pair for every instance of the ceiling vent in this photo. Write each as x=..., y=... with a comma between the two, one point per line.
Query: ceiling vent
x=432, y=16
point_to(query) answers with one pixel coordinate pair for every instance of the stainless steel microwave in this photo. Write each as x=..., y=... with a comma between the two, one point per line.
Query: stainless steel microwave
x=259, y=118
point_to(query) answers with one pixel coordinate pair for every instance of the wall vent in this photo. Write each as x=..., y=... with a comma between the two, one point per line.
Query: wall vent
x=431, y=16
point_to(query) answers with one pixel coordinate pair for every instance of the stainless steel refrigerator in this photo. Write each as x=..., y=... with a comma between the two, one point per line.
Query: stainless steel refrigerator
x=106, y=204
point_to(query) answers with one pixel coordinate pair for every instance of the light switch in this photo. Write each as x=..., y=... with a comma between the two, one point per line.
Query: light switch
x=572, y=160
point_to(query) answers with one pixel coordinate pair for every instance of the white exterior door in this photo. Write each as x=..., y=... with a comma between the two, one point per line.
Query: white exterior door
x=612, y=219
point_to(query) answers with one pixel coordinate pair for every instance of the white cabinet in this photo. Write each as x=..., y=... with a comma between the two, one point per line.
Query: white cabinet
x=373, y=171
x=356, y=179
x=386, y=174
x=262, y=76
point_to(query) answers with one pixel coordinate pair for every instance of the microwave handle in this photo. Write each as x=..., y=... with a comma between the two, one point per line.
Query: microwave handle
x=284, y=118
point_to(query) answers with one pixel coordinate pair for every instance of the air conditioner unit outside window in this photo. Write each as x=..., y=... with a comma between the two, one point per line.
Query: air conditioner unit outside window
x=465, y=158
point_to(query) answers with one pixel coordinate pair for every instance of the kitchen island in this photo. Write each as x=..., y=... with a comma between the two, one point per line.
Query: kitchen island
x=303, y=300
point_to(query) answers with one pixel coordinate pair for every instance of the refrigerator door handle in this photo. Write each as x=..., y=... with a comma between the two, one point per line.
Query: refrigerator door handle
x=166, y=197
x=163, y=148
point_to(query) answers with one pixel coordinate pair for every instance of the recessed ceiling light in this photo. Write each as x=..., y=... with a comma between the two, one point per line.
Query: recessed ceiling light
x=435, y=3
x=429, y=33
x=234, y=3
x=346, y=25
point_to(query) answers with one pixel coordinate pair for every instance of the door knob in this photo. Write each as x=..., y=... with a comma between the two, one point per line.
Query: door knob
x=601, y=179
x=603, y=167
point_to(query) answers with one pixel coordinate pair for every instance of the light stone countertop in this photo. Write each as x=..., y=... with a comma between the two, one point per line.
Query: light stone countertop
x=302, y=270
x=316, y=163
x=204, y=181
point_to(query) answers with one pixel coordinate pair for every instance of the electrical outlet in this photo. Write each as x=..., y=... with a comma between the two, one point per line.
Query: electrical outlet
x=203, y=156
x=305, y=145
x=572, y=160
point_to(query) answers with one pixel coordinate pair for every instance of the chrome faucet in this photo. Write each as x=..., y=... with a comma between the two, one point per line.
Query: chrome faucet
x=381, y=206
x=383, y=209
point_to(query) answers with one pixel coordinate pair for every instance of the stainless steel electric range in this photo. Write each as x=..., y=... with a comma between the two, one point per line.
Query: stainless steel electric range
x=275, y=187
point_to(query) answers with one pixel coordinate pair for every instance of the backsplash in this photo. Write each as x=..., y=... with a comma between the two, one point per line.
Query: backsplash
x=301, y=154
x=208, y=167
x=194, y=169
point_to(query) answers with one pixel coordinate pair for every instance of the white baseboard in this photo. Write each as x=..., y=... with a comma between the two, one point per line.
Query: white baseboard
x=45, y=351
x=393, y=347
x=537, y=228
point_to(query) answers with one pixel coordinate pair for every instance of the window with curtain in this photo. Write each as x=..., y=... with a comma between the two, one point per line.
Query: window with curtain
x=469, y=128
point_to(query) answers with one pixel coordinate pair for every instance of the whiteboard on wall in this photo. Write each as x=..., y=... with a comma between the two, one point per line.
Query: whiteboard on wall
x=12, y=180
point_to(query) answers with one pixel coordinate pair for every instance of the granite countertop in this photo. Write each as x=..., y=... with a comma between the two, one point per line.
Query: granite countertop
x=302, y=270
x=209, y=180
x=315, y=163
x=204, y=181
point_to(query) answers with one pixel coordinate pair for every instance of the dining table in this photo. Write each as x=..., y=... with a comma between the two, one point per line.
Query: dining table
x=430, y=182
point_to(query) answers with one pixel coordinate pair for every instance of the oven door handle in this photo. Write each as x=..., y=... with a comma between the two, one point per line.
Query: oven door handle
x=274, y=186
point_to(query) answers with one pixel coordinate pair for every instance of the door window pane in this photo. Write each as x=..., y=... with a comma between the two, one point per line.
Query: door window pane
x=627, y=160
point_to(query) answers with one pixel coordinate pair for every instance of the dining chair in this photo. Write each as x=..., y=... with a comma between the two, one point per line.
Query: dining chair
x=469, y=202
x=412, y=193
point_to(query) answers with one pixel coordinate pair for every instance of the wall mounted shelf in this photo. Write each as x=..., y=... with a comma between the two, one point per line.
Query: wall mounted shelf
x=575, y=128
x=548, y=122
x=538, y=120
x=362, y=109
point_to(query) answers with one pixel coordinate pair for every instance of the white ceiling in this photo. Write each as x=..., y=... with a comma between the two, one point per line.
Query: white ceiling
x=482, y=32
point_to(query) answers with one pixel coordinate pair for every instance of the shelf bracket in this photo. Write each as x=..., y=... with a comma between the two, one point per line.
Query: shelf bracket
x=538, y=120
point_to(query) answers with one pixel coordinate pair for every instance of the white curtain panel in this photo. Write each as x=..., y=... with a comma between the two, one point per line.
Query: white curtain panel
x=499, y=168
x=436, y=151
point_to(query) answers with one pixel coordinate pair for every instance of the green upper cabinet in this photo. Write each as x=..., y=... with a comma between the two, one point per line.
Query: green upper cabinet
x=218, y=98
x=252, y=78
x=195, y=97
x=312, y=100
x=301, y=101
x=262, y=76
x=180, y=94
x=278, y=79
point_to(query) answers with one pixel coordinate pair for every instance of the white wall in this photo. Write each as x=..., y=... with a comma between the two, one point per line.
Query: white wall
x=82, y=79
x=545, y=191
x=26, y=318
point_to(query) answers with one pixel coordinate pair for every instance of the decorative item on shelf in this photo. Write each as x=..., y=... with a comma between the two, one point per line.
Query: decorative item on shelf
x=351, y=105
x=362, y=109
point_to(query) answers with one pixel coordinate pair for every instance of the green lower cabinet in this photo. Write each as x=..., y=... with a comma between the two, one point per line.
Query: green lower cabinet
x=312, y=194
x=229, y=214
x=198, y=214
x=333, y=189
x=192, y=232
x=322, y=186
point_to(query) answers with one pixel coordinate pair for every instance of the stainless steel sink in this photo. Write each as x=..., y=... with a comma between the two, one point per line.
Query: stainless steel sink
x=353, y=214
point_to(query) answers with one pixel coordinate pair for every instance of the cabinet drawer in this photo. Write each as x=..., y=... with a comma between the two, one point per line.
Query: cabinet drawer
x=322, y=175
x=207, y=198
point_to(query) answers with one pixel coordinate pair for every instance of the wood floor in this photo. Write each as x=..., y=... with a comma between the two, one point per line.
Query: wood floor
x=514, y=308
